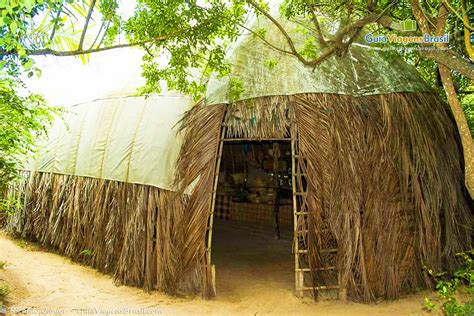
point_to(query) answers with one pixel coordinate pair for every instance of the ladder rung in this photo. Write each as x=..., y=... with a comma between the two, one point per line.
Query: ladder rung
x=322, y=250
x=307, y=230
x=319, y=269
x=301, y=213
x=300, y=193
x=301, y=174
x=322, y=287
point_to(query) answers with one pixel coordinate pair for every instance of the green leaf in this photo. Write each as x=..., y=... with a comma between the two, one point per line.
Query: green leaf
x=86, y=252
x=271, y=63
x=28, y=4
x=236, y=89
x=21, y=52
x=13, y=27
x=261, y=32
x=27, y=66
x=37, y=72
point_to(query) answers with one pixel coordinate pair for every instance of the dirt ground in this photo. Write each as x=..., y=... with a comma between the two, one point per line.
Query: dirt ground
x=44, y=282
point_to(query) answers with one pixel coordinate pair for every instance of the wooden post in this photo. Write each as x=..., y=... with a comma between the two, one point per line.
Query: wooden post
x=213, y=278
x=217, y=166
x=276, y=206
x=342, y=294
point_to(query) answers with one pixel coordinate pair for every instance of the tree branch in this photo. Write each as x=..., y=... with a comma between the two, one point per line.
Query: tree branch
x=371, y=4
x=314, y=17
x=451, y=60
x=467, y=39
x=421, y=18
x=98, y=34
x=53, y=32
x=265, y=40
x=466, y=23
x=386, y=21
x=345, y=45
x=282, y=30
x=445, y=57
x=103, y=35
x=337, y=40
x=86, y=25
x=77, y=52
x=456, y=108
x=441, y=23
x=359, y=24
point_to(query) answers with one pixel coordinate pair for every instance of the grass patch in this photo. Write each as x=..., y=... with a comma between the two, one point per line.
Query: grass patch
x=21, y=243
x=4, y=291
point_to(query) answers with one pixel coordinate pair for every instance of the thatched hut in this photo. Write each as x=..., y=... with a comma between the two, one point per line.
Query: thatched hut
x=376, y=175
x=377, y=179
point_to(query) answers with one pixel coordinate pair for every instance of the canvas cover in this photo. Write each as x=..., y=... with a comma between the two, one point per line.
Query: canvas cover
x=259, y=70
x=124, y=138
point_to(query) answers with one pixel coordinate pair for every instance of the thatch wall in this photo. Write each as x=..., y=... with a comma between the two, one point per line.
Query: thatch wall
x=196, y=165
x=385, y=176
x=126, y=230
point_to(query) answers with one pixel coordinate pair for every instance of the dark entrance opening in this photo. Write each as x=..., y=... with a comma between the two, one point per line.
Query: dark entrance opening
x=253, y=218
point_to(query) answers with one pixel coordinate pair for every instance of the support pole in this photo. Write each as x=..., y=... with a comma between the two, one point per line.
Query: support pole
x=276, y=204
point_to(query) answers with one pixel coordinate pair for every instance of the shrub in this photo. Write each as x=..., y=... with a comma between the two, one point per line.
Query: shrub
x=455, y=293
x=4, y=291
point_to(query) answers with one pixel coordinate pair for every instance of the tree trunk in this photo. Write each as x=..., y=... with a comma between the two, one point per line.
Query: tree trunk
x=461, y=122
x=456, y=108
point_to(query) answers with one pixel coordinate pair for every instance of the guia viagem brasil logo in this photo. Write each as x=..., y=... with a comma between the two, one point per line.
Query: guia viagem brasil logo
x=405, y=26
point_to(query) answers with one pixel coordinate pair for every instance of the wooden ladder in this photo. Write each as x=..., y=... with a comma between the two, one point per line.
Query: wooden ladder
x=303, y=277
x=210, y=223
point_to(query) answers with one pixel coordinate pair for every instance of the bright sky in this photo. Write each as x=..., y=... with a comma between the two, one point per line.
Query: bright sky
x=67, y=81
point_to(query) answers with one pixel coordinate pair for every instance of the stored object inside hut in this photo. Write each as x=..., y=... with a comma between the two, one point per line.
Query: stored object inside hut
x=254, y=187
x=253, y=217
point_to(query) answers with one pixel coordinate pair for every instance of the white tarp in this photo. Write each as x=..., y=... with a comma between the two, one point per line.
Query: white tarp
x=264, y=71
x=124, y=138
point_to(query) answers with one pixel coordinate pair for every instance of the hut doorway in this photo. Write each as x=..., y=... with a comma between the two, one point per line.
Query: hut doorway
x=253, y=221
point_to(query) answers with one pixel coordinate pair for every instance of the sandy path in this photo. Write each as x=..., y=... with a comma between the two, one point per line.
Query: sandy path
x=45, y=280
